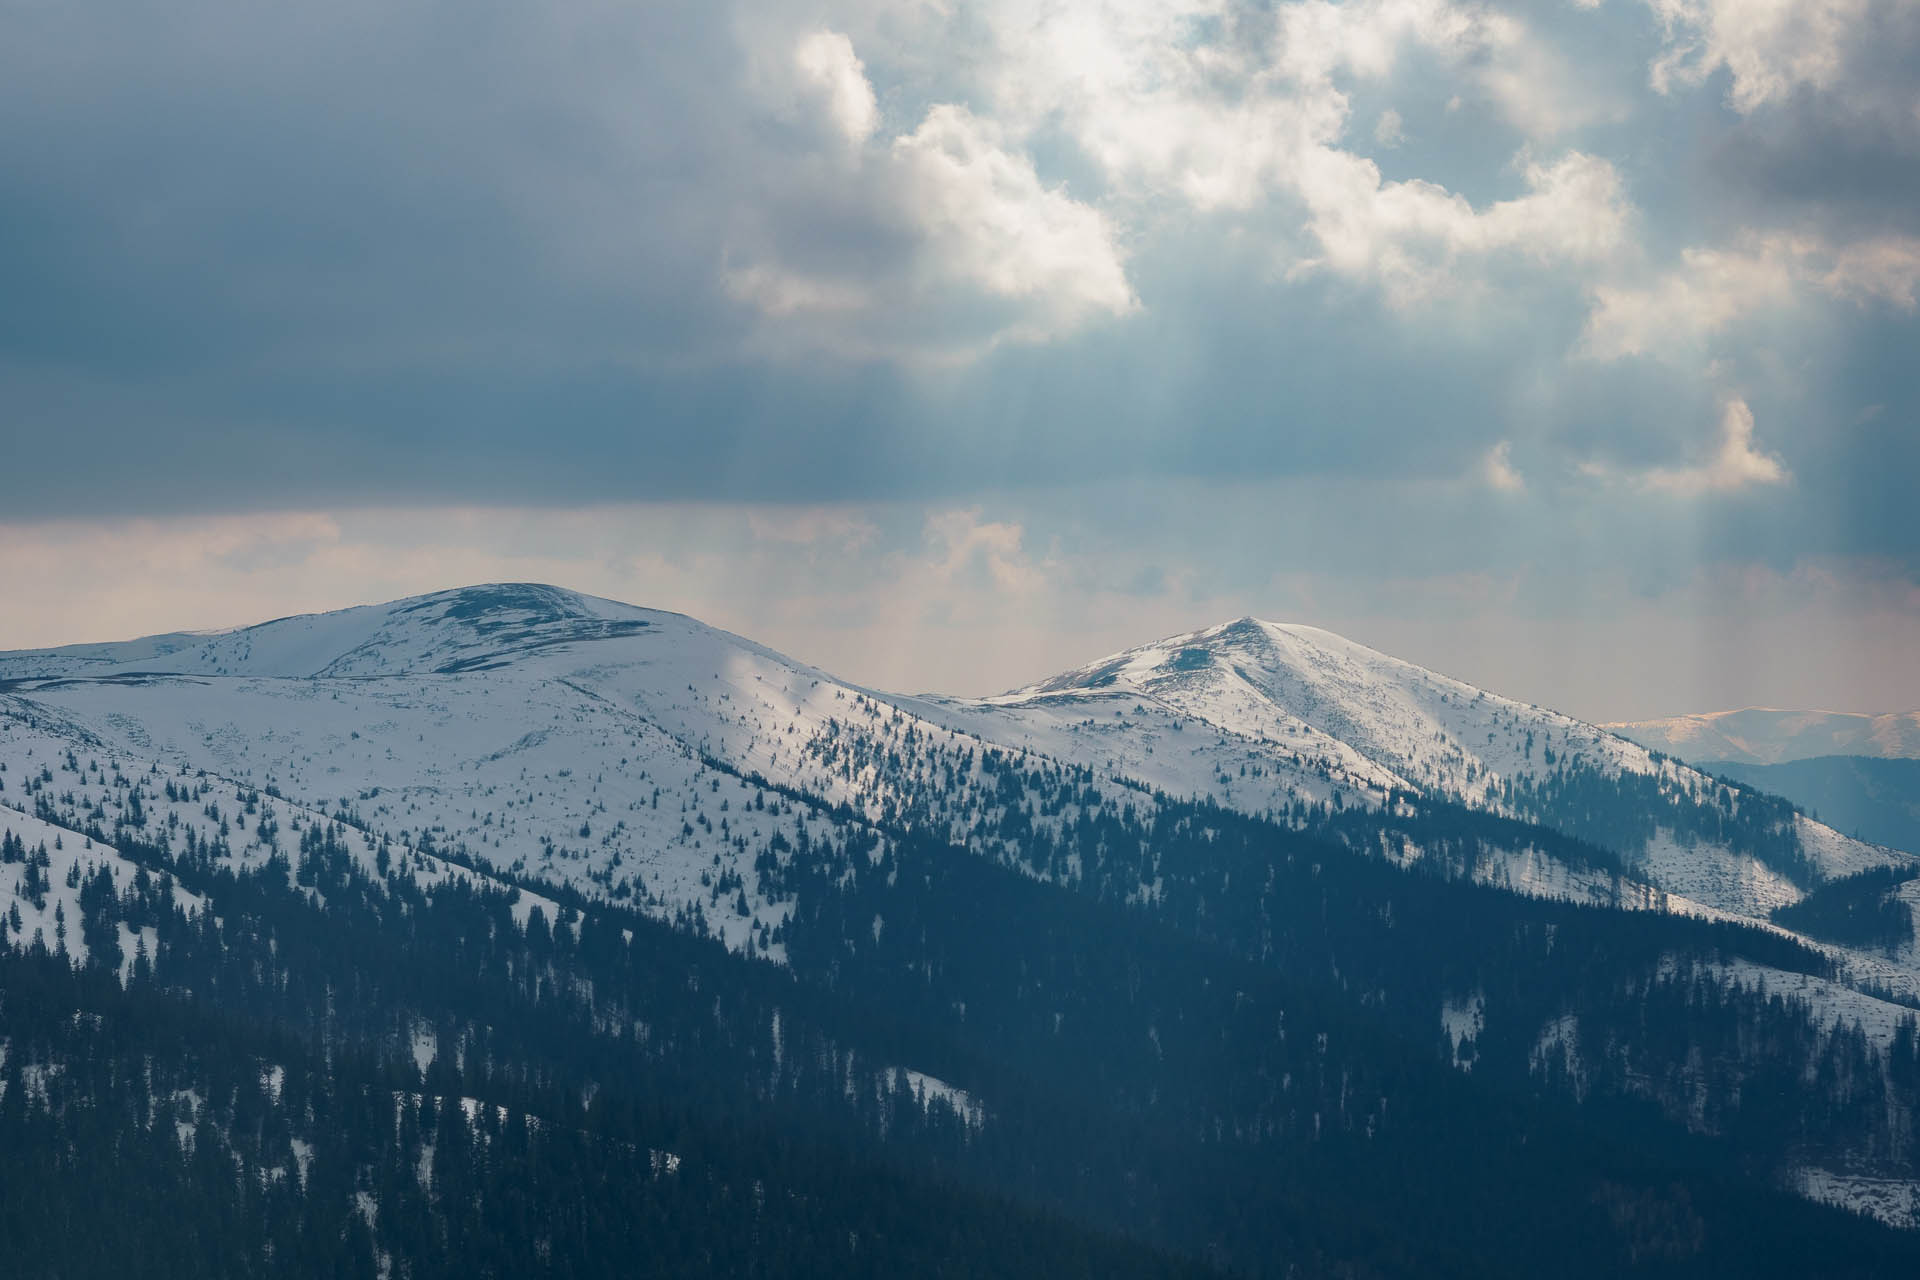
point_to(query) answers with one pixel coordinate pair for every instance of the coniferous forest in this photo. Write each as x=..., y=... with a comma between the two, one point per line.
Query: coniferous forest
x=962, y=1070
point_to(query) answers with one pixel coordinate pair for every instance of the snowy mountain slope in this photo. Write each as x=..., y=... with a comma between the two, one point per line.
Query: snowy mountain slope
x=1359, y=723
x=1765, y=735
x=628, y=765
x=1873, y=799
x=1284, y=682
x=621, y=752
x=65, y=788
x=79, y=659
x=461, y=629
x=40, y=902
x=627, y=753
x=1246, y=766
x=531, y=776
x=647, y=758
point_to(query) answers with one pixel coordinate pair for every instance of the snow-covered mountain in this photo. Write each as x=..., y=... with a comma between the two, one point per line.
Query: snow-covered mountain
x=1251, y=714
x=438, y=634
x=547, y=744
x=1765, y=735
x=646, y=757
x=1365, y=722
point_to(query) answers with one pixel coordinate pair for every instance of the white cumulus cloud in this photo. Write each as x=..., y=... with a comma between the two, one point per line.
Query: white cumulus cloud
x=989, y=219
x=826, y=62
x=952, y=244
x=1410, y=236
x=1734, y=464
x=1771, y=49
x=1710, y=290
x=1497, y=469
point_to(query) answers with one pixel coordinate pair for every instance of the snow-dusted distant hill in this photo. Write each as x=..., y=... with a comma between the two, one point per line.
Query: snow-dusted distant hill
x=1764, y=735
x=1251, y=713
x=1312, y=694
x=442, y=633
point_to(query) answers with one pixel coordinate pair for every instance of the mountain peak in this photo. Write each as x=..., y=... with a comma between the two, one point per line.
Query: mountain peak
x=1382, y=720
x=441, y=632
x=489, y=596
x=488, y=602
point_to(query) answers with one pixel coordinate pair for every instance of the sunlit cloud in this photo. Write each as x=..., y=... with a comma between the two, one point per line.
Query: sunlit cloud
x=1498, y=469
x=1733, y=464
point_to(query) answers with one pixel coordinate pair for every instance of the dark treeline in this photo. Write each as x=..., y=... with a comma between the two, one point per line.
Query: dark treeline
x=146, y=1138
x=1861, y=910
x=1866, y=796
x=1625, y=810
x=251, y=1100
x=1245, y=1068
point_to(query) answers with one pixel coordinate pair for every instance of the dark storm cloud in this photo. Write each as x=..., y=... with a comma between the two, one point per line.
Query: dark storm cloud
x=1214, y=398
x=1846, y=171
x=194, y=185
x=262, y=258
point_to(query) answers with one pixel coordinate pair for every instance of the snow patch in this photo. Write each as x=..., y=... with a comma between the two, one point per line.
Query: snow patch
x=1894, y=1201
x=1463, y=1020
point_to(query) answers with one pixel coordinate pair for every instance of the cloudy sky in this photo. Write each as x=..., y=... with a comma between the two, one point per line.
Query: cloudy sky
x=1567, y=346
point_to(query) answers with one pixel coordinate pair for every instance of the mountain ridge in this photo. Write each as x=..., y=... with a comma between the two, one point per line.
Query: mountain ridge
x=562, y=756
x=1258, y=717
x=1772, y=735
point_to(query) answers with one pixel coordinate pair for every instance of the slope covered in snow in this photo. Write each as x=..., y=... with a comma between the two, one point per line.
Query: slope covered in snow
x=1325, y=715
x=63, y=792
x=628, y=754
x=1389, y=721
x=523, y=738
x=647, y=758
x=459, y=630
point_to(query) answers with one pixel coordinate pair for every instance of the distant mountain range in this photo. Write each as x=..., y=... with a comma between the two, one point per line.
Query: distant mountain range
x=1867, y=797
x=1858, y=773
x=1763, y=735
x=366, y=709
x=1205, y=954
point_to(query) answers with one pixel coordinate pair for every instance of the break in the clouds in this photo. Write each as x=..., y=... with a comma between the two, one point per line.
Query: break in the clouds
x=1630, y=281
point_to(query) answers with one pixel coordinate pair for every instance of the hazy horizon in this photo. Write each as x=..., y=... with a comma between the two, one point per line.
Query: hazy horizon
x=862, y=648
